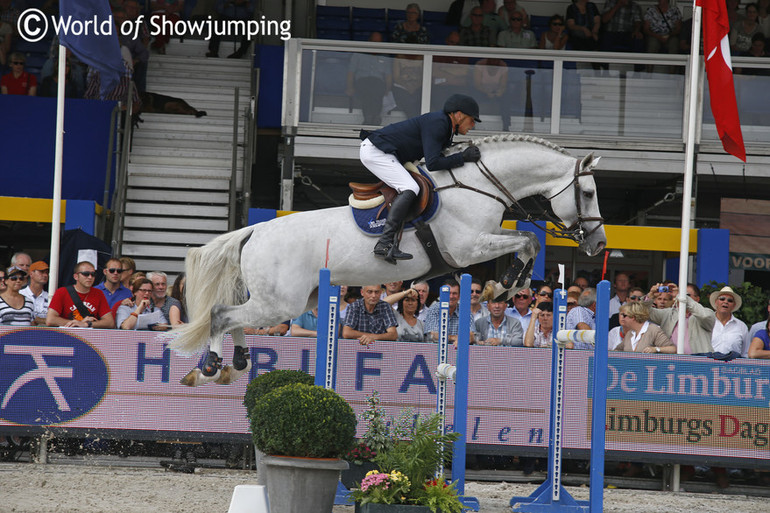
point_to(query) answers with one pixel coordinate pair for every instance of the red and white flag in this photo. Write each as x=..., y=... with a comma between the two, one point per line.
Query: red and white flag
x=719, y=70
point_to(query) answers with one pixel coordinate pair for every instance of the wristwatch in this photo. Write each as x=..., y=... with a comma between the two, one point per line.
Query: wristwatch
x=91, y=325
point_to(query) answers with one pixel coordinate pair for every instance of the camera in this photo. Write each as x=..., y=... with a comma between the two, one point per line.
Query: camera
x=664, y=288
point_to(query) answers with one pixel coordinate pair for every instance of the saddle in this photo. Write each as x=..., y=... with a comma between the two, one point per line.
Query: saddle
x=370, y=195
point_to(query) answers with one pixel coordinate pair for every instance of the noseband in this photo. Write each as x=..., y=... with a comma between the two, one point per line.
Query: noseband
x=575, y=231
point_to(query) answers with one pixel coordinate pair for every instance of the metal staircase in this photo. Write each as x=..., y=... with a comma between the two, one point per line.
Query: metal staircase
x=178, y=189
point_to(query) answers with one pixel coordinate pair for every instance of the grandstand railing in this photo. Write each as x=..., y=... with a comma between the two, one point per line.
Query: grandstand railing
x=639, y=98
x=121, y=174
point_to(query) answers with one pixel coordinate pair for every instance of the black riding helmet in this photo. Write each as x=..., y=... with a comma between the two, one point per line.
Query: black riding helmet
x=464, y=104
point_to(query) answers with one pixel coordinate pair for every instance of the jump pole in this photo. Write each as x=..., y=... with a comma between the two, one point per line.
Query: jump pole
x=459, y=375
x=551, y=495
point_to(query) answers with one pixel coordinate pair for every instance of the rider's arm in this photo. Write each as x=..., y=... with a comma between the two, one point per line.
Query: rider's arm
x=433, y=138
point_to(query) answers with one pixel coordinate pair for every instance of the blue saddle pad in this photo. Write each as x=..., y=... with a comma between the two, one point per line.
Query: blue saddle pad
x=372, y=224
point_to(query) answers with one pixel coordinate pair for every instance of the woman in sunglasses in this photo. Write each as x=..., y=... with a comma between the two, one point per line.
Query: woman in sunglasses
x=15, y=309
x=555, y=38
x=142, y=315
x=544, y=295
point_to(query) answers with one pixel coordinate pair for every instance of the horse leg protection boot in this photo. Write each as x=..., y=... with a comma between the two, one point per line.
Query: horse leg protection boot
x=212, y=365
x=387, y=245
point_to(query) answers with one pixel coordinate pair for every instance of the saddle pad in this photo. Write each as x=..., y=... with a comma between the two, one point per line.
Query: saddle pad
x=371, y=220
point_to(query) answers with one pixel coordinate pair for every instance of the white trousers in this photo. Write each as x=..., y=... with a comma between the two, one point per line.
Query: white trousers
x=387, y=168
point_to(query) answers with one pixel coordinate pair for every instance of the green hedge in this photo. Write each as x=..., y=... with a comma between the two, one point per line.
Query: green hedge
x=303, y=420
x=269, y=381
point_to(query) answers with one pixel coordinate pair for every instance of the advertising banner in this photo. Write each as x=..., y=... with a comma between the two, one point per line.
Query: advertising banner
x=126, y=383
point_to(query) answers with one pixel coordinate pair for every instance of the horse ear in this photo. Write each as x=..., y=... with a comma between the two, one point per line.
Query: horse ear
x=589, y=162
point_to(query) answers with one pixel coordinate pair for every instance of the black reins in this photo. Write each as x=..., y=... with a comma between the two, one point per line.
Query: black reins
x=576, y=231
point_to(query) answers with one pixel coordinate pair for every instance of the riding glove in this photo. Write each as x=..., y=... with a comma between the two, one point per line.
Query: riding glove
x=471, y=154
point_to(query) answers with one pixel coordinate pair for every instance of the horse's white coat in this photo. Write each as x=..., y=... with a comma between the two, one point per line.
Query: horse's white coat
x=280, y=259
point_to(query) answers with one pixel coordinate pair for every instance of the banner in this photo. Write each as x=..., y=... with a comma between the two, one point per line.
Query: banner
x=85, y=381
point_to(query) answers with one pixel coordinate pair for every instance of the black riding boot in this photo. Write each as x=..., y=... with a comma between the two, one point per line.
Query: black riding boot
x=387, y=246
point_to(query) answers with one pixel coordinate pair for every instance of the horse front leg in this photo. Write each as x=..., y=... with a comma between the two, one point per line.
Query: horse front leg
x=519, y=274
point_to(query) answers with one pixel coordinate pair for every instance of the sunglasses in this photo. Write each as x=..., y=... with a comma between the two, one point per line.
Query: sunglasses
x=113, y=270
x=18, y=63
x=635, y=298
x=88, y=274
x=624, y=315
x=15, y=277
x=726, y=298
x=474, y=291
x=517, y=19
x=521, y=296
x=545, y=294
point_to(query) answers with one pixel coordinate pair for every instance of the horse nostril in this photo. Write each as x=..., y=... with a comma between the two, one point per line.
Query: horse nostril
x=600, y=247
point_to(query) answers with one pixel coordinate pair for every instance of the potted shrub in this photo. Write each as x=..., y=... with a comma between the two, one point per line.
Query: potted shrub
x=304, y=429
x=375, y=440
x=405, y=482
x=259, y=387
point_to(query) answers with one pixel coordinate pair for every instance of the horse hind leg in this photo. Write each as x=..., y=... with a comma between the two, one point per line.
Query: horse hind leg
x=241, y=360
x=211, y=370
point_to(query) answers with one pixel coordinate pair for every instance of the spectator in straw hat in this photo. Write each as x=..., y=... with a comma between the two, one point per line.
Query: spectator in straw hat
x=729, y=333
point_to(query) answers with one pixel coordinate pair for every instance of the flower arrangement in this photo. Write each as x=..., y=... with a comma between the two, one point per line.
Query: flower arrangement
x=407, y=467
x=384, y=488
x=360, y=454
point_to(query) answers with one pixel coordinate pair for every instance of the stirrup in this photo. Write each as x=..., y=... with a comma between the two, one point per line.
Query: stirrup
x=395, y=254
x=382, y=248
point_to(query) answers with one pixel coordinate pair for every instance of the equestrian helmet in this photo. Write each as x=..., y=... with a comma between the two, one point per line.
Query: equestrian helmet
x=464, y=104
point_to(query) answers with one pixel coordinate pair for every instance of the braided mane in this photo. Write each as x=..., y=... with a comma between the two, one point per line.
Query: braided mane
x=508, y=138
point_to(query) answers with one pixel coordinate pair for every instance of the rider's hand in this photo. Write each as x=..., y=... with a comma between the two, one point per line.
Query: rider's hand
x=471, y=154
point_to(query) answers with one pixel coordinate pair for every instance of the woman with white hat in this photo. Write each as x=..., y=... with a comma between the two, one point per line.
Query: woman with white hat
x=730, y=333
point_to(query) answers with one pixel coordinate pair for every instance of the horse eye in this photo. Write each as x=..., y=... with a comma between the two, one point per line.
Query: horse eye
x=588, y=194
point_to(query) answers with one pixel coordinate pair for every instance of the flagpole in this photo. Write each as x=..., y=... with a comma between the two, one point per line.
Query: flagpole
x=53, y=277
x=684, y=245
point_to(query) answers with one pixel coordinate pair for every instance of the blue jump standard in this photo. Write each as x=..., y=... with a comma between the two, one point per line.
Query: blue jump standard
x=551, y=495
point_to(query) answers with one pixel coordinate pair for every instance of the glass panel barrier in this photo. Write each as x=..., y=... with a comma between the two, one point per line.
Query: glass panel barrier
x=751, y=86
x=620, y=102
x=596, y=94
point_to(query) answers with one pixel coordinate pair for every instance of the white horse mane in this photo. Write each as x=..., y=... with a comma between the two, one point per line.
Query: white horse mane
x=506, y=138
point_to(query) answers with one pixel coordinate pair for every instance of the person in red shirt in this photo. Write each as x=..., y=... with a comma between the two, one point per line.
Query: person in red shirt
x=62, y=311
x=18, y=81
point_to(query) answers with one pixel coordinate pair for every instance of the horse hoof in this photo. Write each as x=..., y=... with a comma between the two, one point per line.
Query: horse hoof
x=196, y=378
x=512, y=274
x=230, y=374
x=525, y=273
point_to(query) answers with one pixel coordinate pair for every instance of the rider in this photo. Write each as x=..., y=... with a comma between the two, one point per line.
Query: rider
x=384, y=150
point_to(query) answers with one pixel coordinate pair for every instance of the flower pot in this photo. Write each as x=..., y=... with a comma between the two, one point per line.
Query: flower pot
x=300, y=485
x=356, y=473
x=261, y=469
x=391, y=508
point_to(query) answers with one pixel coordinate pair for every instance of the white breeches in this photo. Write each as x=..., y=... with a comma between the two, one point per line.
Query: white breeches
x=387, y=168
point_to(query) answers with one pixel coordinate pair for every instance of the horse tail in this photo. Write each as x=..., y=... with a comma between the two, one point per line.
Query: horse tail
x=213, y=278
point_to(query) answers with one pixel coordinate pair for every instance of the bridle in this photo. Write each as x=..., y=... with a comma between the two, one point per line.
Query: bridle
x=576, y=231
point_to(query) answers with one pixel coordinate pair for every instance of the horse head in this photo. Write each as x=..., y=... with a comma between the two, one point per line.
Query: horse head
x=577, y=205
